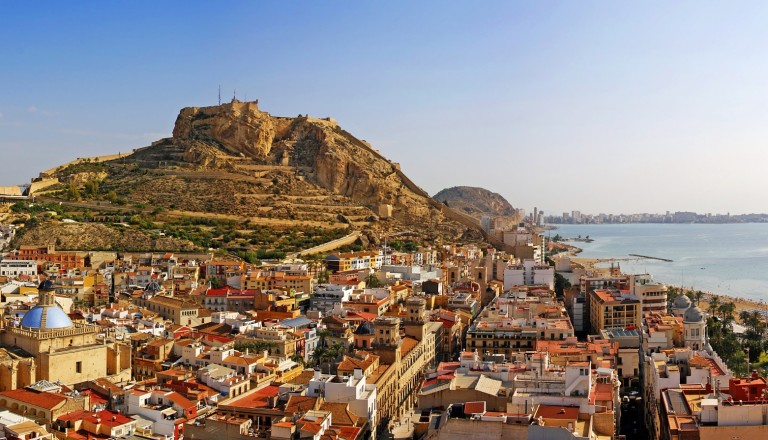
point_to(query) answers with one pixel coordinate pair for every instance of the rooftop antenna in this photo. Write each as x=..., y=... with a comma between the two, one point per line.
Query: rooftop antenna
x=219, y=94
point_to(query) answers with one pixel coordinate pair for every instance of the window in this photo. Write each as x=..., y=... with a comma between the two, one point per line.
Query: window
x=78, y=367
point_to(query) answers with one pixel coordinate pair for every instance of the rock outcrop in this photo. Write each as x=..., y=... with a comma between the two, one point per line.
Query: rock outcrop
x=476, y=202
x=328, y=156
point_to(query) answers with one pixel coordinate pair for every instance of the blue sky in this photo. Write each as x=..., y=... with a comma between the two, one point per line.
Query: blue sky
x=597, y=106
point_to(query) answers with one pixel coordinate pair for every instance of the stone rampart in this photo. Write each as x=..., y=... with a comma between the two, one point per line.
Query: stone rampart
x=331, y=245
x=48, y=173
x=41, y=185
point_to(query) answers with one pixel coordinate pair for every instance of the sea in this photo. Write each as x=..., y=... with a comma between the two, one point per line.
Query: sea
x=727, y=259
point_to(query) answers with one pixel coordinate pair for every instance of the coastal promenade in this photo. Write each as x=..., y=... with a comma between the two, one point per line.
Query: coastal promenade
x=742, y=303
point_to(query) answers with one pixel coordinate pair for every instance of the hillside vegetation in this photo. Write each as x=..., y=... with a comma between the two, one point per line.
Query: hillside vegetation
x=237, y=178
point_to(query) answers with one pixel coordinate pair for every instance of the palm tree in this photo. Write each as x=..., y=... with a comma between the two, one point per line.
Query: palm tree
x=337, y=349
x=323, y=335
x=714, y=305
x=318, y=356
x=298, y=358
x=726, y=311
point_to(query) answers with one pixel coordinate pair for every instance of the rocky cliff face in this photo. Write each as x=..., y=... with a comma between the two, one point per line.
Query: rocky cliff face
x=232, y=171
x=239, y=127
x=476, y=201
x=327, y=155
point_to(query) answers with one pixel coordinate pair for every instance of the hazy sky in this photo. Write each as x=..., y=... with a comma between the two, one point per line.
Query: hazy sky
x=597, y=106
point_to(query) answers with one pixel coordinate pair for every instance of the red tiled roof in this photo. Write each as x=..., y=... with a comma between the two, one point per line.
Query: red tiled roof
x=180, y=400
x=364, y=315
x=344, y=432
x=75, y=415
x=407, y=345
x=557, y=412
x=259, y=399
x=38, y=399
x=300, y=404
x=474, y=408
x=311, y=427
x=603, y=392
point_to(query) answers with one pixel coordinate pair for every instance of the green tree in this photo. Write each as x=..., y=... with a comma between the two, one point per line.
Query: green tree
x=323, y=335
x=372, y=281
x=298, y=358
x=727, y=311
x=697, y=296
x=72, y=193
x=561, y=283
x=714, y=305
x=92, y=188
x=255, y=346
x=318, y=356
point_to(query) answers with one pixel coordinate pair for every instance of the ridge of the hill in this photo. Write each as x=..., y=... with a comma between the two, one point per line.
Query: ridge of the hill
x=232, y=174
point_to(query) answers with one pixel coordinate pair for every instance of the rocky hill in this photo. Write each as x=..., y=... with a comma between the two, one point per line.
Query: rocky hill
x=476, y=202
x=98, y=237
x=236, y=165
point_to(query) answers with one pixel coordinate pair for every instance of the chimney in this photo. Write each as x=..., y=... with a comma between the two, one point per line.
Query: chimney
x=317, y=374
x=358, y=373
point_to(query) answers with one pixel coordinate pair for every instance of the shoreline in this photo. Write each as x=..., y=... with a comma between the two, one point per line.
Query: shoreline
x=742, y=303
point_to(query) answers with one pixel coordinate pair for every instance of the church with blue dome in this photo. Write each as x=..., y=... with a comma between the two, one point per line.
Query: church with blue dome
x=46, y=314
x=55, y=348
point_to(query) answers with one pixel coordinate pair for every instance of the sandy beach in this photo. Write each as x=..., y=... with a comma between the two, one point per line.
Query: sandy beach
x=741, y=303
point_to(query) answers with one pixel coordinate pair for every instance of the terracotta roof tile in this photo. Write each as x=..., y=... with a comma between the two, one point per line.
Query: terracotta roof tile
x=41, y=400
x=300, y=404
x=340, y=414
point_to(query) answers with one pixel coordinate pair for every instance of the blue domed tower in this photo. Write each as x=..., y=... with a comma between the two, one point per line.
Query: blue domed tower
x=46, y=314
x=60, y=349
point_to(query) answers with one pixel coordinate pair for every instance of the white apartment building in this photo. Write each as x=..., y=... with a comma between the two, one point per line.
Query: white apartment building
x=15, y=268
x=326, y=296
x=528, y=273
x=353, y=390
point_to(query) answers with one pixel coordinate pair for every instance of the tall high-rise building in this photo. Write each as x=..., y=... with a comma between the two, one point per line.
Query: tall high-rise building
x=576, y=215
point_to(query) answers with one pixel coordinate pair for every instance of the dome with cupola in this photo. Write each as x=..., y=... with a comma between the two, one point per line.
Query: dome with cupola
x=693, y=315
x=46, y=315
x=682, y=302
x=365, y=329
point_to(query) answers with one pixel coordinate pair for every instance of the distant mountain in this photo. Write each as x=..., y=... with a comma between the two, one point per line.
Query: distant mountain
x=232, y=174
x=476, y=202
